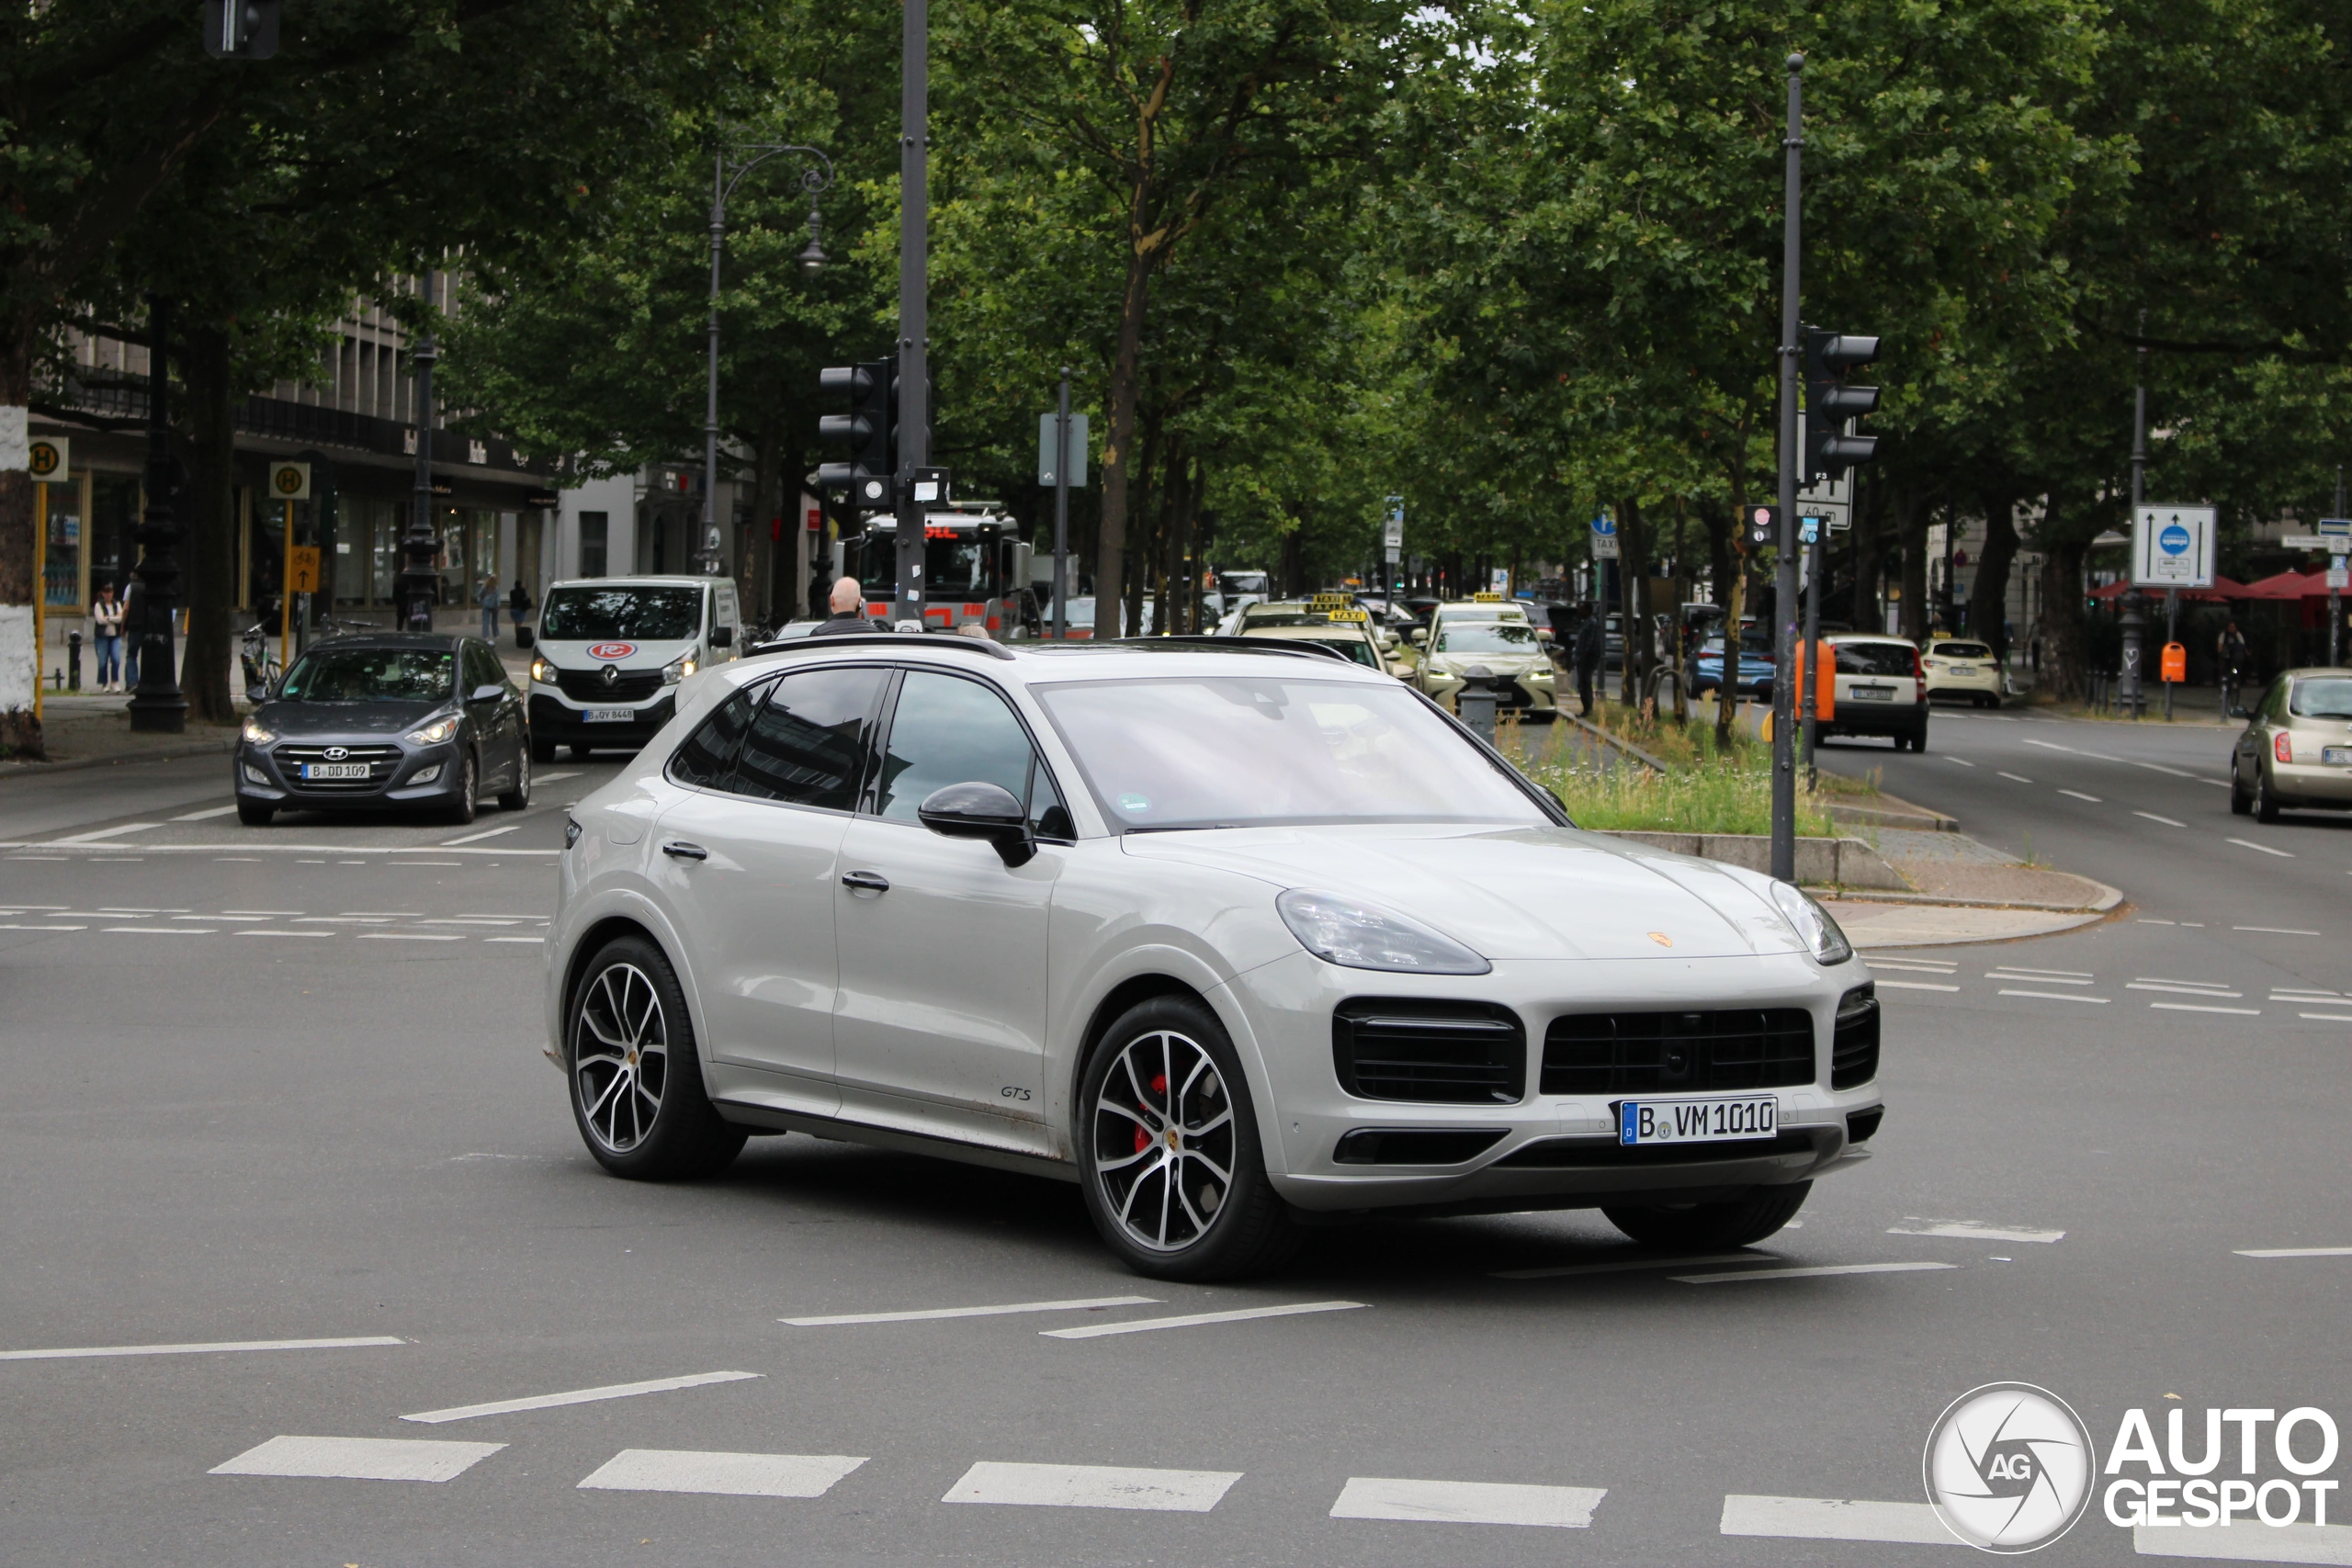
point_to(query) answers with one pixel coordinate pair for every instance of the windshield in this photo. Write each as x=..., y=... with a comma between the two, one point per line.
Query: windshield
x=960, y=566
x=1875, y=658
x=648, y=614
x=2328, y=698
x=1244, y=582
x=1963, y=650
x=1355, y=647
x=1488, y=637
x=1235, y=751
x=371, y=676
x=1260, y=616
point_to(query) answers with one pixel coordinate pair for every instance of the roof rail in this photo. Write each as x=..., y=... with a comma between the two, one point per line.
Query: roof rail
x=1239, y=645
x=985, y=646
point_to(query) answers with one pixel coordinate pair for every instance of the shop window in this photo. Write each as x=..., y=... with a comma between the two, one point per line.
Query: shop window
x=61, y=569
x=592, y=525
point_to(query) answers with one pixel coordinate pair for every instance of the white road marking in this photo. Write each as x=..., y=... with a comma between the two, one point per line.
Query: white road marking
x=1914, y=985
x=533, y=941
x=1972, y=1230
x=2017, y=778
x=2263, y=1543
x=2043, y=974
x=2144, y=920
x=209, y=811
x=2160, y=768
x=44, y=928
x=550, y=778
x=1626, y=1265
x=477, y=837
x=135, y=909
x=2036, y=979
x=2328, y=1017
x=575, y=1396
x=476, y=920
x=2265, y=849
x=360, y=1458
x=252, y=931
x=2184, y=988
x=102, y=833
x=345, y=920
x=2273, y=931
x=1092, y=1486
x=1962, y=760
x=2053, y=746
x=1196, y=1319
x=2055, y=996
x=406, y=936
x=223, y=1347
x=2078, y=794
x=2192, y=1007
x=381, y=914
x=2295, y=1252
x=282, y=914
x=1926, y=965
x=1467, y=1502
x=1819, y=1272
x=2166, y=820
x=469, y=851
x=929, y=1314
x=220, y=917
x=479, y=915
x=2309, y=993
x=236, y=860
x=1831, y=1519
x=162, y=931
x=720, y=1474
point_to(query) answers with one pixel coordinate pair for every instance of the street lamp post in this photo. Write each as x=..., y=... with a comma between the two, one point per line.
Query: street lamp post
x=157, y=704
x=1784, y=599
x=418, y=587
x=729, y=166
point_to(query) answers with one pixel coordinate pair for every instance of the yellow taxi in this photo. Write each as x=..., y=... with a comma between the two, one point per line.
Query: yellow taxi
x=1492, y=633
x=1962, y=669
x=1331, y=620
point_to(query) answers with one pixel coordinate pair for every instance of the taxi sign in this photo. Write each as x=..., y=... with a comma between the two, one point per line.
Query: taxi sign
x=1328, y=601
x=1349, y=616
x=1485, y=596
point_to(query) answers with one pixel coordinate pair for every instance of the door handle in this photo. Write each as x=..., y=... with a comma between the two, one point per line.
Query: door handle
x=866, y=882
x=683, y=851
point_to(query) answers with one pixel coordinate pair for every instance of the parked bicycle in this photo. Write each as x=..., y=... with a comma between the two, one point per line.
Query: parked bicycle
x=261, y=667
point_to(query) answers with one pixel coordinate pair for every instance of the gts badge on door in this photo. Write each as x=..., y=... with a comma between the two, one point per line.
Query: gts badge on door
x=1012, y=1091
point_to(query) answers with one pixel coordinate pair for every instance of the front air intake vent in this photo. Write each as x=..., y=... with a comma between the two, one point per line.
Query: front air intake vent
x=1380, y=1146
x=1596, y=1053
x=1853, y=1049
x=1429, y=1053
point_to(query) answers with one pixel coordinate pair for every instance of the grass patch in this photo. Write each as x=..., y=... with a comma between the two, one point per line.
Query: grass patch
x=1704, y=789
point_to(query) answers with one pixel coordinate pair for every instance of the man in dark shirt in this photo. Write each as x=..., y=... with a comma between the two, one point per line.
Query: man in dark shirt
x=1591, y=646
x=849, y=610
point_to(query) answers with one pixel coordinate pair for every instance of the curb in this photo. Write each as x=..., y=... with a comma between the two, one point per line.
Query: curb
x=74, y=764
x=2108, y=901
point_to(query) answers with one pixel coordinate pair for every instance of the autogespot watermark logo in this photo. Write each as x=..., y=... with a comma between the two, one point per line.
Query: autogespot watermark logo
x=2010, y=1467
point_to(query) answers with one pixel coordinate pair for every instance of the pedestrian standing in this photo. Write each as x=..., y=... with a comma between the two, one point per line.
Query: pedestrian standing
x=134, y=629
x=1592, y=643
x=487, y=597
x=518, y=603
x=106, y=620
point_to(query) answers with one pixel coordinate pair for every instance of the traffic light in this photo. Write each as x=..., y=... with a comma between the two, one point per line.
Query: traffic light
x=240, y=29
x=1763, y=527
x=865, y=429
x=1831, y=403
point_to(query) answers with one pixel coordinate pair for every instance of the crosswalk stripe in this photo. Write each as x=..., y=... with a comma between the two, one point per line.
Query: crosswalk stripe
x=722, y=1474
x=1467, y=1502
x=1092, y=1486
x=1832, y=1519
x=576, y=1396
x=360, y=1458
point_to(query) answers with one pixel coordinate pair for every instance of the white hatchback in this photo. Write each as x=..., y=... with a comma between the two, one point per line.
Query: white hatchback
x=1227, y=938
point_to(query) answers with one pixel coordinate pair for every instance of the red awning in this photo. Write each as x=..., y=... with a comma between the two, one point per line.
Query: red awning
x=2290, y=584
x=2224, y=590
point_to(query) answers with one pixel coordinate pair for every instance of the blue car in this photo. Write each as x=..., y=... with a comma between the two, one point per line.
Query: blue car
x=1754, y=670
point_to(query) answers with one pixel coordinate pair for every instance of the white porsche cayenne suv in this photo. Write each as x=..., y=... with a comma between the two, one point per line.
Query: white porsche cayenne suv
x=1233, y=937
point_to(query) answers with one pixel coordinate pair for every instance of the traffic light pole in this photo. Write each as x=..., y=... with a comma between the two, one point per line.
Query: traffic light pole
x=418, y=587
x=1785, y=598
x=1061, y=511
x=914, y=321
x=156, y=705
x=1812, y=554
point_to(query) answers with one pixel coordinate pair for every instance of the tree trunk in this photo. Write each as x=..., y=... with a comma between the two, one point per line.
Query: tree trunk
x=1911, y=532
x=2065, y=643
x=1172, y=539
x=757, y=583
x=1988, y=596
x=1869, y=513
x=1726, y=690
x=1634, y=567
x=1127, y=387
x=20, y=659
x=210, y=542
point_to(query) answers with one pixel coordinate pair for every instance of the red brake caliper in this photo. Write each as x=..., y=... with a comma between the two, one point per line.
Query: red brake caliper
x=1159, y=1087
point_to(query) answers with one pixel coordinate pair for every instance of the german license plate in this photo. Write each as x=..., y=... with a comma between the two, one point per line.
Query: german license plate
x=1872, y=693
x=2341, y=755
x=1645, y=1122
x=334, y=770
x=607, y=715
x=1963, y=669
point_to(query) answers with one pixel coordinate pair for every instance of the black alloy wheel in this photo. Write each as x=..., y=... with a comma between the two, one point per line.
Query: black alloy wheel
x=1743, y=1222
x=637, y=1089
x=1171, y=1170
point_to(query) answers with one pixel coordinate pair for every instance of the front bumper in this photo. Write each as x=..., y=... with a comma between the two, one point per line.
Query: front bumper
x=1548, y=1150
x=556, y=719
x=1532, y=692
x=400, y=775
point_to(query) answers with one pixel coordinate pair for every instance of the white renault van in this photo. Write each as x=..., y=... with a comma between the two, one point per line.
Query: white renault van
x=611, y=650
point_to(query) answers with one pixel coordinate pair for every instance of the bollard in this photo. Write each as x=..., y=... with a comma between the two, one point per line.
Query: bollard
x=1476, y=702
x=73, y=660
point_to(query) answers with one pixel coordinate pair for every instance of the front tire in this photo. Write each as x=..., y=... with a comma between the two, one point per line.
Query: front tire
x=1706, y=1226
x=461, y=809
x=637, y=1091
x=519, y=798
x=254, y=814
x=543, y=750
x=1172, y=1172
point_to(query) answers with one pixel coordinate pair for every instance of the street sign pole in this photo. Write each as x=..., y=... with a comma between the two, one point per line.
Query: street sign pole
x=1811, y=529
x=2336, y=576
x=1061, y=511
x=915, y=321
x=2133, y=621
x=1784, y=600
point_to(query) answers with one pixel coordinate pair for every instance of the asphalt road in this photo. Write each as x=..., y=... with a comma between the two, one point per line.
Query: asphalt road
x=224, y=1134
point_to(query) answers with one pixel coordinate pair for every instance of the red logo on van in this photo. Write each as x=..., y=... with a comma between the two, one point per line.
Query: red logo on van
x=611, y=649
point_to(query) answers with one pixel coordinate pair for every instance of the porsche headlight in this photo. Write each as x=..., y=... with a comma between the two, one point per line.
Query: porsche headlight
x=1813, y=927
x=256, y=734
x=678, y=669
x=1356, y=935
x=433, y=734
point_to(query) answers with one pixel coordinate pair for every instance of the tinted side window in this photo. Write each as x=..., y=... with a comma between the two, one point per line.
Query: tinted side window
x=709, y=754
x=946, y=732
x=487, y=671
x=808, y=744
x=1048, y=817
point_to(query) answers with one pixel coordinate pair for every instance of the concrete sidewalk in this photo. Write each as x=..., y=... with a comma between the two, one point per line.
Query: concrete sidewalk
x=88, y=731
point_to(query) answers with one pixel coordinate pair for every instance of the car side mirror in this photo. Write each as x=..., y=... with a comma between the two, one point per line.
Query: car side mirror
x=1544, y=634
x=522, y=636
x=976, y=810
x=487, y=692
x=723, y=637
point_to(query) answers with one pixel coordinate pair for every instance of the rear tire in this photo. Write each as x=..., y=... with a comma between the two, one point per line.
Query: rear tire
x=2240, y=802
x=254, y=814
x=636, y=1077
x=1706, y=1226
x=1919, y=739
x=2265, y=796
x=1170, y=1163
